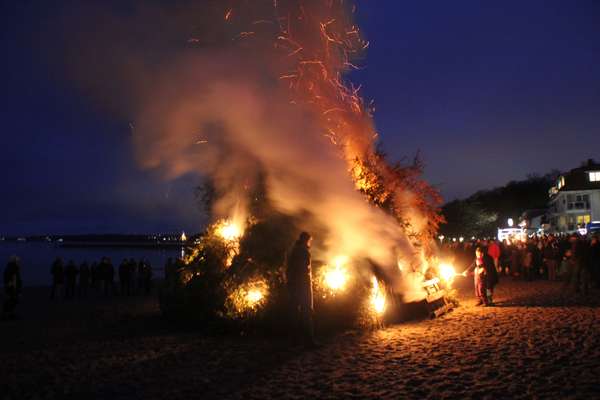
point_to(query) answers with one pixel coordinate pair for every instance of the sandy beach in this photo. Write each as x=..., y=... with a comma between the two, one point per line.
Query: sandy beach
x=536, y=343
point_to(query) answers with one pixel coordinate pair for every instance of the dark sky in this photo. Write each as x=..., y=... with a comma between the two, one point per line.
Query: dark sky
x=487, y=92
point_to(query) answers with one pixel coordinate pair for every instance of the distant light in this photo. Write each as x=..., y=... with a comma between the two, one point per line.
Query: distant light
x=511, y=222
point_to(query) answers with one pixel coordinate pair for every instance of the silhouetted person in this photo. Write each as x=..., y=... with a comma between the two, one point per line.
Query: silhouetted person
x=140, y=275
x=299, y=276
x=132, y=268
x=58, y=277
x=579, y=255
x=84, y=279
x=12, y=287
x=71, y=278
x=124, y=277
x=550, y=254
x=147, y=280
x=594, y=260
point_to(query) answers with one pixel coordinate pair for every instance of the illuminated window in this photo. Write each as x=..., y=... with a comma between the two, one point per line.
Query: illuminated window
x=583, y=219
x=595, y=176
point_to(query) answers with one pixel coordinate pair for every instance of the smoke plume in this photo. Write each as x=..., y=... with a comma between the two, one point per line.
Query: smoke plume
x=237, y=90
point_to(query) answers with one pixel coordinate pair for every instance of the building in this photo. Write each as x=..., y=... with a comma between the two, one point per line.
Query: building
x=534, y=220
x=575, y=199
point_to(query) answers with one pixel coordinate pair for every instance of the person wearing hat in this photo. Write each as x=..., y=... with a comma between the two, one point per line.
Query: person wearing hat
x=12, y=287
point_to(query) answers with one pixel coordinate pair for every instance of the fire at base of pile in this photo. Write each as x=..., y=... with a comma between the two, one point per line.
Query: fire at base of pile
x=239, y=281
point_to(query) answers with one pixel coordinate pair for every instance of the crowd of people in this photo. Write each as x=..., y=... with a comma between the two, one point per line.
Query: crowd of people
x=572, y=259
x=71, y=280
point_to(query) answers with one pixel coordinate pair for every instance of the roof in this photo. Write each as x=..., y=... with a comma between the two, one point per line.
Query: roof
x=578, y=178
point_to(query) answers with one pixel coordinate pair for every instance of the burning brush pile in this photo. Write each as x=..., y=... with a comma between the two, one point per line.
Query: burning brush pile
x=287, y=144
x=254, y=97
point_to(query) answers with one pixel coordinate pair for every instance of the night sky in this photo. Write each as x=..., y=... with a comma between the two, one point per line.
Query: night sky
x=487, y=92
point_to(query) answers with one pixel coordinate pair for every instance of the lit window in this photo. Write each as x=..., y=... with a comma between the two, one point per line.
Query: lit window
x=595, y=176
x=583, y=219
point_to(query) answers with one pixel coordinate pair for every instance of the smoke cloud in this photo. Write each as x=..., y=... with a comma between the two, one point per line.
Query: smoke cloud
x=239, y=91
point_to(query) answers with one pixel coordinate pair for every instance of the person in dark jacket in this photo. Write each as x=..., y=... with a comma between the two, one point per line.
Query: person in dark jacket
x=58, y=277
x=132, y=268
x=12, y=287
x=109, y=276
x=84, y=279
x=147, y=278
x=594, y=260
x=71, y=278
x=579, y=251
x=299, y=279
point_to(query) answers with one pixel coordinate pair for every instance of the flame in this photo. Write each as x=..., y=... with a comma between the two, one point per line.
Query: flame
x=447, y=272
x=335, y=278
x=254, y=296
x=250, y=296
x=377, y=297
x=229, y=230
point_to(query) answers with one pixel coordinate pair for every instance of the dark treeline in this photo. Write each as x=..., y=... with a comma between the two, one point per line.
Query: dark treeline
x=482, y=213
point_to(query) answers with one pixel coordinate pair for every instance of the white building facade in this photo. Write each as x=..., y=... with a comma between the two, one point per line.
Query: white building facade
x=575, y=199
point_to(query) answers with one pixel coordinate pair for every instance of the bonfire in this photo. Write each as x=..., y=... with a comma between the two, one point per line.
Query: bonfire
x=391, y=213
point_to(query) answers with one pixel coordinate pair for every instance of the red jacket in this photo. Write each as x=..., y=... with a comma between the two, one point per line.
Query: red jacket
x=494, y=250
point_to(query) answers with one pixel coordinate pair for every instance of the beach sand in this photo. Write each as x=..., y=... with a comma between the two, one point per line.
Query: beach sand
x=536, y=343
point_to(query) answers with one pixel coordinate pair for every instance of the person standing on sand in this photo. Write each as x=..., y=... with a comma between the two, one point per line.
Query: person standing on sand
x=58, y=277
x=109, y=289
x=494, y=252
x=485, y=277
x=147, y=277
x=132, y=268
x=594, y=260
x=299, y=279
x=12, y=287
